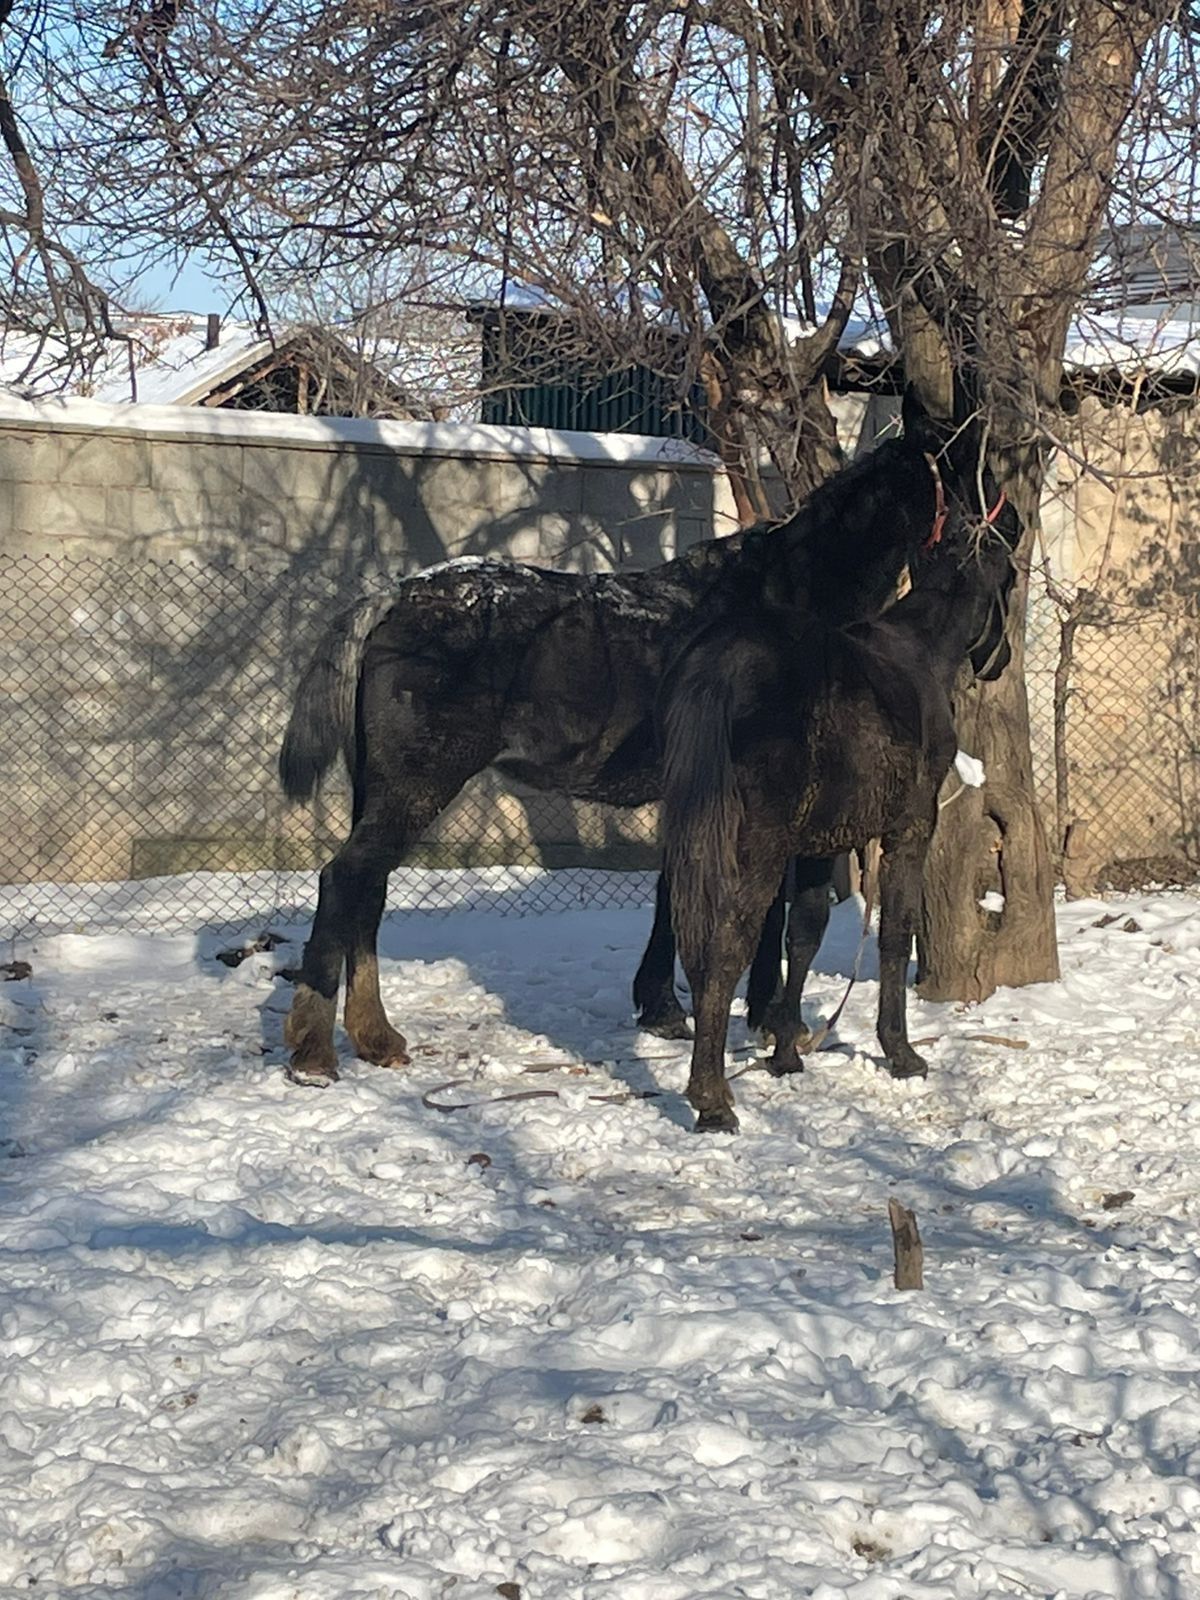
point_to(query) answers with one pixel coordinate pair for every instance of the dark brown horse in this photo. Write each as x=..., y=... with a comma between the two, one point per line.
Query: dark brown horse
x=787, y=736
x=550, y=677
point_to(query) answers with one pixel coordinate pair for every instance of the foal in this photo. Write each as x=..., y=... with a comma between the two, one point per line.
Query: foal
x=783, y=740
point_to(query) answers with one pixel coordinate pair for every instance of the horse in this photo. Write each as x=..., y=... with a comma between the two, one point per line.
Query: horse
x=549, y=677
x=786, y=736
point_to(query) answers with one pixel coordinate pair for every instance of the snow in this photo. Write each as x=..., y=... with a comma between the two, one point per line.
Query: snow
x=457, y=439
x=1131, y=343
x=969, y=769
x=1128, y=341
x=258, y=1341
x=173, y=364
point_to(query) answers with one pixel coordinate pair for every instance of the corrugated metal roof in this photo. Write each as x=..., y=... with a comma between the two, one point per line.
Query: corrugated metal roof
x=1147, y=263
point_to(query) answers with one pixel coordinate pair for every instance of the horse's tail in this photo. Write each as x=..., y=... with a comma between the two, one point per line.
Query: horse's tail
x=702, y=809
x=322, y=723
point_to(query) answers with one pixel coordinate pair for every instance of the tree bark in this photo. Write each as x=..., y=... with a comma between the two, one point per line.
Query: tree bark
x=990, y=840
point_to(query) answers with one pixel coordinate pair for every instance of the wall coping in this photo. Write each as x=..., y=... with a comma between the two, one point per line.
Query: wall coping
x=457, y=440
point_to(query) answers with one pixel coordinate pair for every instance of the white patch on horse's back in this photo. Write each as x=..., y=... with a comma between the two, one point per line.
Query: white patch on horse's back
x=495, y=579
x=460, y=564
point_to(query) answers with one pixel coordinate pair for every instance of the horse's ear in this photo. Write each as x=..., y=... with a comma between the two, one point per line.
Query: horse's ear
x=913, y=414
x=920, y=428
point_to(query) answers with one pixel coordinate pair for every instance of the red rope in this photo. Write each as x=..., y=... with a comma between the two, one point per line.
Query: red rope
x=939, y=508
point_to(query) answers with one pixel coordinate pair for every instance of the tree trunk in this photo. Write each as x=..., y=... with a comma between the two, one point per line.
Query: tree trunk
x=990, y=841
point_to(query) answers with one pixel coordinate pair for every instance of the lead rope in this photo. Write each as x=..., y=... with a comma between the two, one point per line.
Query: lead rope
x=939, y=506
x=870, y=878
x=580, y=1069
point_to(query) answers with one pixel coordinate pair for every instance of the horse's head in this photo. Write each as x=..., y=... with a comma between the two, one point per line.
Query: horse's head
x=981, y=532
x=956, y=450
x=991, y=652
x=982, y=548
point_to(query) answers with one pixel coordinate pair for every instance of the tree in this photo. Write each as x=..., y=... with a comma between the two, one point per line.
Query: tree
x=680, y=177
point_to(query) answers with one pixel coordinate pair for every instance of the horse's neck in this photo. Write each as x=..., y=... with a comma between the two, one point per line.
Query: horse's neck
x=947, y=615
x=843, y=560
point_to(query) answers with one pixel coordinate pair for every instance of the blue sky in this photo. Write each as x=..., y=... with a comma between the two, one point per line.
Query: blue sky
x=185, y=288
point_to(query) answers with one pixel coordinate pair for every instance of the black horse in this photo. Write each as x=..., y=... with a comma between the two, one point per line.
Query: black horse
x=551, y=678
x=784, y=735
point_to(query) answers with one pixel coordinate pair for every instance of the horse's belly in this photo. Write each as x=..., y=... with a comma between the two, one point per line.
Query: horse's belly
x=627, y=777
x=842, y=811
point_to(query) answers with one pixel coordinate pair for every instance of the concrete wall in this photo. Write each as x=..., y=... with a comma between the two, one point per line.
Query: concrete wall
x=165, y=573
x=173, y=484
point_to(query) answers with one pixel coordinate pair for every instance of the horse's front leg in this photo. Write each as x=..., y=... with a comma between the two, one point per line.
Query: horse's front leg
x=654, y=994
x=899, y=909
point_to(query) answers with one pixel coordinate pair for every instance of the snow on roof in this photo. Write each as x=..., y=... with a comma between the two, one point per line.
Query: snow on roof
x=1125, y=342
x=174, y=366
x=1169, y=347
x=178, y=368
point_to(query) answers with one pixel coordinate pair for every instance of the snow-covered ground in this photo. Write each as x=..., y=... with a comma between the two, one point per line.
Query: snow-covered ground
x=259, y=1341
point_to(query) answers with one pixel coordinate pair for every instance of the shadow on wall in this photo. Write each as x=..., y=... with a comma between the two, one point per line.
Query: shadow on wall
x=164, y=595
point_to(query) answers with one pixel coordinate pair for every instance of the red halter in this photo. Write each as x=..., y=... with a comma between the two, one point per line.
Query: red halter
x=939, y=507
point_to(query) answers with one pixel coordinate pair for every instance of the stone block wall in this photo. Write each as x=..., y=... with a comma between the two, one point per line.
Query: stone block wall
x=165, y=574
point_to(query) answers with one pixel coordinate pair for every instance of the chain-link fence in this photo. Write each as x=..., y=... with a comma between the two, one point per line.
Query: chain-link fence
x=144, y=702
x=1114, y=690
x=140, y=722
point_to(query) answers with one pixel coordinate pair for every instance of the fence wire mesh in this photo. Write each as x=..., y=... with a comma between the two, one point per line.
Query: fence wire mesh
x=140, y=723
x=1114, y=691
x=144, y=703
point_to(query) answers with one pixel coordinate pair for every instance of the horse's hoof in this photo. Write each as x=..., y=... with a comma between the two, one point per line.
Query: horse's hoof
x=723, y=1121
x=786, y=1065
x=908, y=1064
x=385, y=1050
x=667, y=1025
x=311, y=1074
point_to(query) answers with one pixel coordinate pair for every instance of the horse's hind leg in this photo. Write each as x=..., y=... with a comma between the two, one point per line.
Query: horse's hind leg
x=390, y=813
x=309, y=1027
x=389, y=824
x=764, y=988
x=899, y=910
x=714, y=971
x=372, y=1035
x=654, y=994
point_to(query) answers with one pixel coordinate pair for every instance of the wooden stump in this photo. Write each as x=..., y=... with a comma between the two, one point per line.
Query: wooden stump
x=906, y=1241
